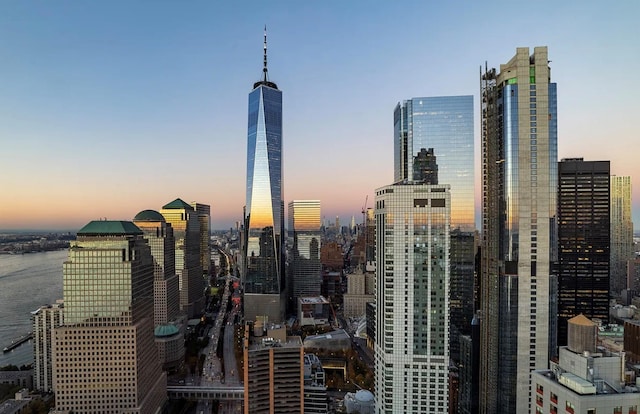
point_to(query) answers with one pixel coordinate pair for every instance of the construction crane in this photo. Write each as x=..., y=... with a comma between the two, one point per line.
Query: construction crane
x=364, y=212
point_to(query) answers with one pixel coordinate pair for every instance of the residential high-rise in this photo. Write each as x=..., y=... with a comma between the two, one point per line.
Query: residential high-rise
x=304, y=225
x=186, y=231
x=168, y=319
x=622, y=248
x=104, y=357
x=583, y=241
x=263, y=242
x=519, y=187
x=412, y=298
x=204, y=219
x=433, y=143
x=45, y=319
x=273, y=371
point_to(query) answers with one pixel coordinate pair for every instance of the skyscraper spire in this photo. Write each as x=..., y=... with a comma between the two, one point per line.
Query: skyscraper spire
x=265, y=76
x=264, y=69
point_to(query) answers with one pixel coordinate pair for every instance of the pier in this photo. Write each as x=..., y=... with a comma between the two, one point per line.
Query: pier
x=18, y=342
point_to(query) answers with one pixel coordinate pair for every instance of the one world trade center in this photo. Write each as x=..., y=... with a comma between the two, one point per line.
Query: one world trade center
x=263, y=236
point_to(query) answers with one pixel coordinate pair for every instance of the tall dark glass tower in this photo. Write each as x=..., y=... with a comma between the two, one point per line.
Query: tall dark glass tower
x=263, y=264
x=583, y=241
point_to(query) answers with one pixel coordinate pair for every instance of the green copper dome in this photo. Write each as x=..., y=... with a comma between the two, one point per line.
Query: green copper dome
x=162, y=331
x=149, y=215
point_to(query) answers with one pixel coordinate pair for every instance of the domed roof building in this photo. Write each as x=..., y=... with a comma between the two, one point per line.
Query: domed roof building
x=149, y=215
x=362, y=402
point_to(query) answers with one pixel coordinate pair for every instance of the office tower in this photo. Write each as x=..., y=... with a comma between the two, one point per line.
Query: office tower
x=622, y=248
x=204, y=219
x=166, y=290
x=168, y=320
x=263, y=258
x=104, y=356
x=304, y=224
x=186, y=232
x=412, y=298
x=584, y=379
x=273, y=371
x=519, y=187
x=583, y=241
x=45, y=319
x=433, y=143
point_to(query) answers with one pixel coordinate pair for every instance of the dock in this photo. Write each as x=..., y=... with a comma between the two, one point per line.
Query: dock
x=18, y=342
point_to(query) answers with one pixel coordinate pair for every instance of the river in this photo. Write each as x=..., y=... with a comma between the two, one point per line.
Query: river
x=27, y=281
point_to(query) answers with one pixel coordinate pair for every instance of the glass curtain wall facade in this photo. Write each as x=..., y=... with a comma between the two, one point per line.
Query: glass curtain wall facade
x=304, y=223
x=186, y=232
x=519, y=185
x=204, y=218
x=583, y=242
x=622, y=249
x=445, y=124
x=433, y=143
x=412, y=298
x=263, y=266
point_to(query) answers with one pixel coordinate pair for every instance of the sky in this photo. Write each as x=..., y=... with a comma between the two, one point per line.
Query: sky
x=109, y=108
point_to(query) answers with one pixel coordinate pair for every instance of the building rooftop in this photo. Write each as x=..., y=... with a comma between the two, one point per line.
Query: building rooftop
x=109, y=227
x=582, y=320
x=162, y=331
x=177, y=204
x=313, y=300
x=268, y=342
x=149, y=215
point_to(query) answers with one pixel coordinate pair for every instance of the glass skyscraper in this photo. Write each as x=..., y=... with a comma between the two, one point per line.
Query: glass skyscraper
x=583, y=242
x=304, y=225
x=433, y=143
x=263, y=266
x=622, y=249
x=519, y=188
x=445, y=124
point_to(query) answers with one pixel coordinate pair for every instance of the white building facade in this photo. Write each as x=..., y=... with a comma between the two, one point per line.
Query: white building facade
x=412, y=297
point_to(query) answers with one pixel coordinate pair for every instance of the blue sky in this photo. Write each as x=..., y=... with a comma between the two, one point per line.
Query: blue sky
x=108, y=108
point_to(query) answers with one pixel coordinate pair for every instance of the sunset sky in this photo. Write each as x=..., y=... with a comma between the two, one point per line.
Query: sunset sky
x=109, y=108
